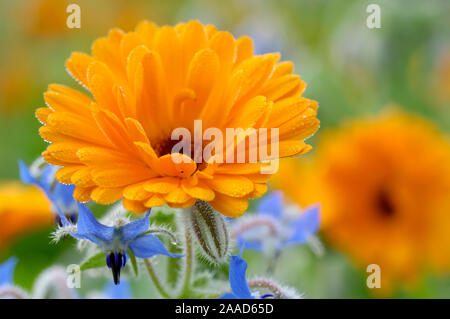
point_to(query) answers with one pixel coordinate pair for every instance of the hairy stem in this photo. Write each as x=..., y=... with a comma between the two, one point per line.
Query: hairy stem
x=189, y=259
x=154, y=277
x=264, y=283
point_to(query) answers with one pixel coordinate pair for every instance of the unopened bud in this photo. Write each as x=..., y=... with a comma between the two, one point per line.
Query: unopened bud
x=211, y=232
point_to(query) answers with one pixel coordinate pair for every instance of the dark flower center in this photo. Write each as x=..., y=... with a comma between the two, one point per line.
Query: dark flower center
x=384, y=203
x=116, y=261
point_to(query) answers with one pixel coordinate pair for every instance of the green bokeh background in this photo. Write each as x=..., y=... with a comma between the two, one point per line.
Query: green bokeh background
x=350, y=69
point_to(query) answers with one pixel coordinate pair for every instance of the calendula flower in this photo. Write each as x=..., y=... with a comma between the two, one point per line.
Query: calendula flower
x=276, y=225
x=7, y=271
x=22, y=209
x=60, y=195
x=384, y=185
x=117, y=240
x=147, y=83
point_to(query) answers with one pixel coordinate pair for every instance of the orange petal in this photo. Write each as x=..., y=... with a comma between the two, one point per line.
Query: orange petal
x=293, y=148
x=299, y=128
x=281, y=86
x=177, y=196
x=224, y=45
x=162, y=185
x=77, y=65
x=177, y=165
x=249, y=114
x=202, y=74
x=154, y=201
x=186, y=204
x=244, y=46
x=260, y=189
x=286, y=109
x=234, y=186
x=239, y=169
x=97, y=156
x=65, y=152
x=83, y=178
x=118, y=176
x=147, y=31
x=256, y=71
x=283, y=68
x=199, y=191
x=229, y=206
x=82, y=194
x=64, y=174
x=42, y=114
x=62, y=103
x=129, y=41
x=136, y=192
x=77, y=127
x=193, y=39
x=136, y=207
x=106, y=196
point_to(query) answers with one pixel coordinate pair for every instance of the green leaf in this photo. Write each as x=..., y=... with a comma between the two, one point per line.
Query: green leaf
x=133, y=262
x=95, y=261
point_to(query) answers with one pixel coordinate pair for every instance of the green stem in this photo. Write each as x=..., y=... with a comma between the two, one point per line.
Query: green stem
x=159, y=286
x=189, y=260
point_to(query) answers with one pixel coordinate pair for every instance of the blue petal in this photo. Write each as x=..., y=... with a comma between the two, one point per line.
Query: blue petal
x=238, y=282
x=122, y=291
x=132, y=230
x=148, y=246
x=63, y=194
x=228, y=295
x=7, y=271
x=248, y=244
x=48, y=175
x=27, y=178
x=306, y=225
x=89, y=228
x=44, y=185
x=271, y=205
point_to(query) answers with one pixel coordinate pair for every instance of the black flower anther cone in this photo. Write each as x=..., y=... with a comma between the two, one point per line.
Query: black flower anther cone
x=116, y=261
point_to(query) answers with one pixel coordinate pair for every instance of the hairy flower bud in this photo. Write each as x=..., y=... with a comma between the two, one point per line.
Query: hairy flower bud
x=211, y=231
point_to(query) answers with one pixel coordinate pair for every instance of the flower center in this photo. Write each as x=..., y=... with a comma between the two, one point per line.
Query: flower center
x=116, y=261
x=384, y=203
x=165, y=147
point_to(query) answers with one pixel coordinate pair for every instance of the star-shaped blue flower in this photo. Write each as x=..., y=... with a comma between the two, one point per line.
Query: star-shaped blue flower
x=7, y=271
x=276, y=226
x=60, y=195
x=116, y=241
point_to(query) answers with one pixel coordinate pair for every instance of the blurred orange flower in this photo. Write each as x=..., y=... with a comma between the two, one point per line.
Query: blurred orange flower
x=147, y=83
x=44, y=17
x=384, y=185
x=22, y=209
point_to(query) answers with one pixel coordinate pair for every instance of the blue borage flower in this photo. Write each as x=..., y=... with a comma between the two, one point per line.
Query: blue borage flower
x=238, y=282
x=60, y=195
x=7, y=271
x=115, y=241
x=276, y=226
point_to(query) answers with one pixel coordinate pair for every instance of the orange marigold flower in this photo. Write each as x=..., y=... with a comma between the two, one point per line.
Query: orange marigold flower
x=149, y=82
x=384, y=185
x=22, y=209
